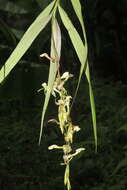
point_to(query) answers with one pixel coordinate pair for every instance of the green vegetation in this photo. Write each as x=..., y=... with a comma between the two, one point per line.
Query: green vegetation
x=55, y=79
x=59, y=34
x=25, y=165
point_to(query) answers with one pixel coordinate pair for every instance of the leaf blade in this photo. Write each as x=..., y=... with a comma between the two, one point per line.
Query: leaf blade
x=36, y=27
x=92, y=103
x=77, y=8
x=74, y=35
x=55, y=52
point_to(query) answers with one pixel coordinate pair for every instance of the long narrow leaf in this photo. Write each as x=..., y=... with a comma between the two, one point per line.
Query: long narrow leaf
x=55, y=53
x=74, y=35
x=77, y=8
x=36, y=27
x=80, y=49
x=93, y=109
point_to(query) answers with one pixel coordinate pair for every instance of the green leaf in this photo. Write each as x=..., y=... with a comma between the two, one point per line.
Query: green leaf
x=77, y=8
x=74, y=36
x=81, y=51
x=55, y=53
x=36, y=27
x=76, y=41
x=93, y=109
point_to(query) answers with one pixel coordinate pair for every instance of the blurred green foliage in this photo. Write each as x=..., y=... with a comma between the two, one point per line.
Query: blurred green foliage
x=25, y=165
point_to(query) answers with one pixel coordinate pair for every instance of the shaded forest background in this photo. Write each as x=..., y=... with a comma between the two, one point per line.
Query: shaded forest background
x=24, y=164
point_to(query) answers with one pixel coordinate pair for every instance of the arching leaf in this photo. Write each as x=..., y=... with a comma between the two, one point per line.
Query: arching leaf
x=55, y=53
x=36, y=27
x=93, y=109
x=74, y=36
x=77, y=8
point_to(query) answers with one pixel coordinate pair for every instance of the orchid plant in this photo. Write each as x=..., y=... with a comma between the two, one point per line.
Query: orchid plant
x=56, y=83
x=64, y=121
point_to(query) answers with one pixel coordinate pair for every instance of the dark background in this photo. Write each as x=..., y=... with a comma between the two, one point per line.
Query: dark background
x=24, y=164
